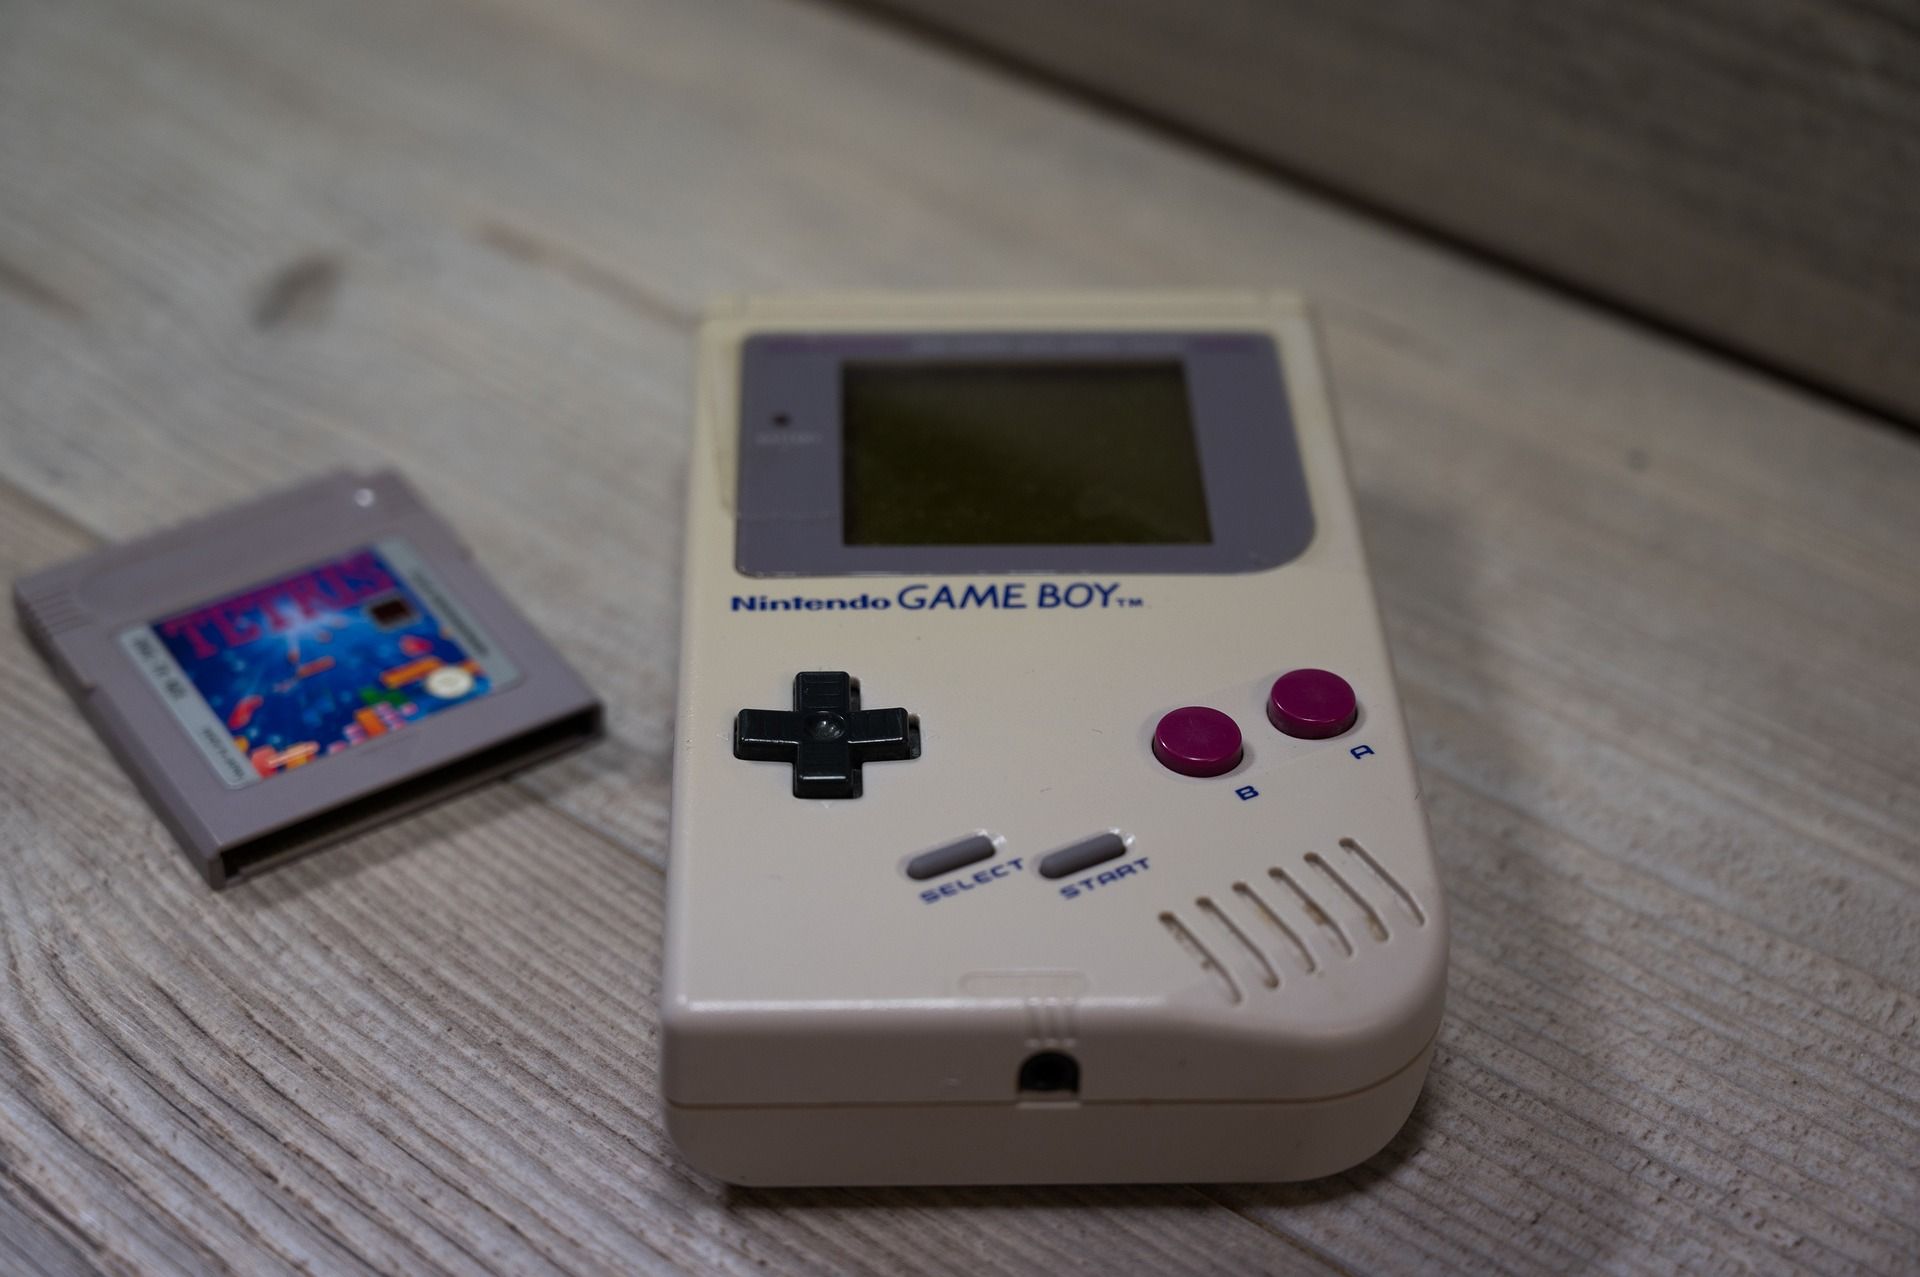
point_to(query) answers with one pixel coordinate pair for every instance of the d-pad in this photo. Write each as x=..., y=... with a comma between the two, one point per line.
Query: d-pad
x=826, y=735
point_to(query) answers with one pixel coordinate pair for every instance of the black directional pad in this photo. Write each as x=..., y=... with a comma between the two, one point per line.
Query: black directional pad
x=826, y=735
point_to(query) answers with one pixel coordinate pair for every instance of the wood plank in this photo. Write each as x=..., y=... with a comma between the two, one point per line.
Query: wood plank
x=1746, y=172
x=1653, y=616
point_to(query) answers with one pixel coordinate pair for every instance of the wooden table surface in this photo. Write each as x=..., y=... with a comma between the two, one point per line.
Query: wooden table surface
x=1657, y=620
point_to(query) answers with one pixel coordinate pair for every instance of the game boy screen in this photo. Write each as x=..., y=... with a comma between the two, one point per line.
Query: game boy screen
x=1092, y=452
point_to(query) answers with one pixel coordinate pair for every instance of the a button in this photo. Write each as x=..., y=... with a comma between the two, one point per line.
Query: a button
x=955, y=855
x=826, y=735
x=1197, y=741
x=1087, y=853
x=1311, y=704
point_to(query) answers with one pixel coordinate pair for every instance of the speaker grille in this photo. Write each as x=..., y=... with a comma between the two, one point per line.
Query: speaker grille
x=1270, y=931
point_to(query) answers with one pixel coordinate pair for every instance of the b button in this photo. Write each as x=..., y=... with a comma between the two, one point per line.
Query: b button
x=1196, y=740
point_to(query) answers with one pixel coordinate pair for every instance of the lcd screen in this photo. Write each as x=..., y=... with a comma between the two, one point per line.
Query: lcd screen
x=1095, y=452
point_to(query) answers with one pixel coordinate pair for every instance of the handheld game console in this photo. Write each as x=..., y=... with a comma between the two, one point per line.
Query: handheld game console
x=1043, y=810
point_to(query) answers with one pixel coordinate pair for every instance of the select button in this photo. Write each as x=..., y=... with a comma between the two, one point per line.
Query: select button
x=954, y=855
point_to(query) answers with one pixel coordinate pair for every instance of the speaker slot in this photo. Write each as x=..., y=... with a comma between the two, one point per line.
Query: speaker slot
x=1374, y=924
x=1279, y=924
x=1268, y=976
x=1321, y=917
x=1200, y=953
x=1405, y=897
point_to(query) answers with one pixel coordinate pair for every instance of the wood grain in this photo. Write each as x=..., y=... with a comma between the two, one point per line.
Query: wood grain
x=1746, y=171
x=1655, y=618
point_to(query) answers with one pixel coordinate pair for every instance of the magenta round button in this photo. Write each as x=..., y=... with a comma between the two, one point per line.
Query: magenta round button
x=1311, y=704
x=1197, y=741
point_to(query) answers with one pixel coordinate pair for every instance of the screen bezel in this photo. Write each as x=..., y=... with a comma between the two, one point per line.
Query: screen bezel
x=790, y=501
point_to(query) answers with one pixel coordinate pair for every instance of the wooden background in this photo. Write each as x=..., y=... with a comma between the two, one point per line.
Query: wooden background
x=1745, y=170
x=1656, y=617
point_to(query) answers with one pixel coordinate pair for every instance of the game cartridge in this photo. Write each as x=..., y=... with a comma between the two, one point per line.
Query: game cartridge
x=285, y=673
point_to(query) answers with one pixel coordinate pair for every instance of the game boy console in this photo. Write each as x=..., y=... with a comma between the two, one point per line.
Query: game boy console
x=1042, y=808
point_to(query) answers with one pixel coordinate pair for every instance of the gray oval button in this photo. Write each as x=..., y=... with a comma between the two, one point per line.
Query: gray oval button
x=955, y=855
x=1084, y=854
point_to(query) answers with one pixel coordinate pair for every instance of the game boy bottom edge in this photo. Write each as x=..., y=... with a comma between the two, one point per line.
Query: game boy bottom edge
x=1046, y=1142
